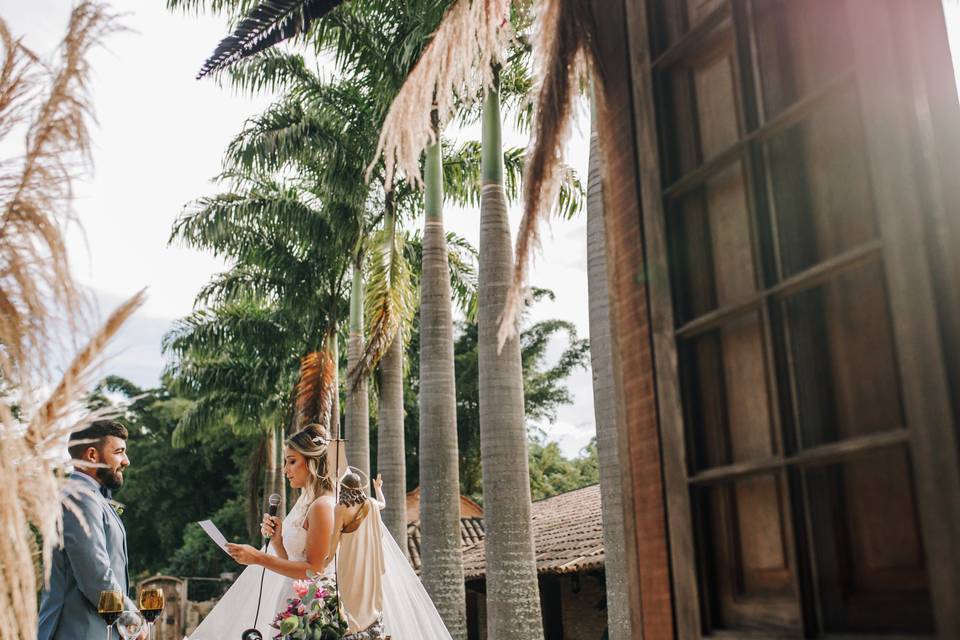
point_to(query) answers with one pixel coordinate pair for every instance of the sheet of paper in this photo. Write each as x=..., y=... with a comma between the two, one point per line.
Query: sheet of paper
x=211, y=530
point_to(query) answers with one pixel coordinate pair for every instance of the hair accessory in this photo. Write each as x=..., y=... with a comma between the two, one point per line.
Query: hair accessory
x=320, y=440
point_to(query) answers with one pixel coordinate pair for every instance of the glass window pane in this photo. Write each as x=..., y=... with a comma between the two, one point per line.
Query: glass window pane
x=702, y=117
x=870, y=561
x=725, y=393
x=800, y=46
x=820, y=186
x=710, y=233
x=843, y=358
x=744, y=537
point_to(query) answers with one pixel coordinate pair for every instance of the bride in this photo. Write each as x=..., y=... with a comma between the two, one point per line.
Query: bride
x=374, y=578
x=298, y=544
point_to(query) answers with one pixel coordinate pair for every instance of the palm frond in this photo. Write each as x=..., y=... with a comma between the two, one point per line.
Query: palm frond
x=315, y=388
x=77, y=376
x=39, y=300
x=270, y=22
x=36, y=188
x=461, y=173
x=390, y=301
x=566, y=49
x=270, y=71
x=457, y=63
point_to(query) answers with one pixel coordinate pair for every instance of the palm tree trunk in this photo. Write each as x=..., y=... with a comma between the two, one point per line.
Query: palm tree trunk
x=279, y=486
x=442, y=571
x=334, y=426
x=601, y=360
x=391, y=462
x=358, y=402
x=513, y=597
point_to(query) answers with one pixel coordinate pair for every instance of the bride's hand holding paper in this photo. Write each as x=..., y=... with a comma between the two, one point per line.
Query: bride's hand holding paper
x=244, y=553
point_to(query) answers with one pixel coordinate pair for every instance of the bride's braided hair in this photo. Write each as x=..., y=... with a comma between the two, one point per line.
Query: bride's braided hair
x=311, y=442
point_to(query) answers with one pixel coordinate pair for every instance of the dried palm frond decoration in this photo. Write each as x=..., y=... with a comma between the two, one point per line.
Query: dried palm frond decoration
x=267, y=24
x=40, y=301
x=565, y=53
x=36, y=187
x=315, y=388
x=458, y=62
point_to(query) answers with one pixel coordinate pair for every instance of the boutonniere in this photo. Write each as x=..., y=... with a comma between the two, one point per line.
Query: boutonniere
x=117, y=507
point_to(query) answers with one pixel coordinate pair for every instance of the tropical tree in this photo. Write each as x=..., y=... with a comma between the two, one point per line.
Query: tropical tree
x=442, y=570
x=552, y=473
x=390, y=301
x=513, y=596
x=321, y=130
x=544, y=389
x=366, y=41
x=273, y=315
x=601, y=362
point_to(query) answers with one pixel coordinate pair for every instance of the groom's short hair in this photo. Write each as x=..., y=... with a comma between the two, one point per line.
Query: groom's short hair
x=94, y=435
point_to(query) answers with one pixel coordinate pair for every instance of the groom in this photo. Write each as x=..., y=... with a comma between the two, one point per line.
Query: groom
x=93, y=557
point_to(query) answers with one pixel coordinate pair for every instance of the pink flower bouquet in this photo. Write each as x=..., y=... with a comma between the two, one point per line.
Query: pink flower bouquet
x=313, y=613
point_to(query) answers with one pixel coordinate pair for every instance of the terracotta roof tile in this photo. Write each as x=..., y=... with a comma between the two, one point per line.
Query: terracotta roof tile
x=567, y=535
x=471, y=532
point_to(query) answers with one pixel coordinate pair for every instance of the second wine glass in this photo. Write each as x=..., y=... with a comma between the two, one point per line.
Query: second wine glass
x=151, y=603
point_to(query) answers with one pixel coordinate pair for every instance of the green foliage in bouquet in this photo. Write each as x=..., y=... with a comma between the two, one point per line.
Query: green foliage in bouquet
x=313, y=613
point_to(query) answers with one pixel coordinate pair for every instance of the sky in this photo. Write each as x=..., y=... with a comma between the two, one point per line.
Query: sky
x=159, y=141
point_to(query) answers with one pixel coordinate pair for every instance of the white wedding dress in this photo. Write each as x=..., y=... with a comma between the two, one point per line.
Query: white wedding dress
x=408, y=611
x=236, y=610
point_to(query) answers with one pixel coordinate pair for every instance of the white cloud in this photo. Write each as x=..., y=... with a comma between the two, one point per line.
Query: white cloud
x=572, y=437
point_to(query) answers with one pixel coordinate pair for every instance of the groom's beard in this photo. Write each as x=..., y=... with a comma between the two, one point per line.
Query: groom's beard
x=110, y=478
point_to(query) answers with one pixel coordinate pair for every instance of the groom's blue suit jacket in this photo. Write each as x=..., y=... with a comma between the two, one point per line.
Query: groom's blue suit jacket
x=91, y=560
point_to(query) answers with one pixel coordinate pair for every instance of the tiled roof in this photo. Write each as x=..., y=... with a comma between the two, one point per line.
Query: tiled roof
x=471, y=532
x=567, y=535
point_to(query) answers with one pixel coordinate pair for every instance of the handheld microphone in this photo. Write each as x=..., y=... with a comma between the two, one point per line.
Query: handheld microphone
x=273, y=501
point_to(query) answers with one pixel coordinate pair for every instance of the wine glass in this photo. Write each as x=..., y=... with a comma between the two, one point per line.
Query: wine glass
x=110, y=608
x=129, y=624
x=151, y=603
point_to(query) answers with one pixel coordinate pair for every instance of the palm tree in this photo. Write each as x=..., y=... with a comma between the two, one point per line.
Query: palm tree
x=268, y=318
x=322, y=130
x=513, y=600
x=390, y=279
x=227, y=360
x=442, y=570
x=358, y=407
x=601, y=361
